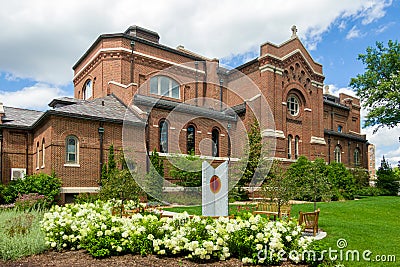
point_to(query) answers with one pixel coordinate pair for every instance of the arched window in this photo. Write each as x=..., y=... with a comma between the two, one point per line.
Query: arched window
x=296, y=146
x=190, y=139
x=339, y=128
x=87, y=90
x=338, y=154
x=72, y=150
x=293, y=105
x=289, y=146
x=43, y=153
x=163, y=128
x=356, y=157
x=37, y=156
x=164, y=86
x=215, y=142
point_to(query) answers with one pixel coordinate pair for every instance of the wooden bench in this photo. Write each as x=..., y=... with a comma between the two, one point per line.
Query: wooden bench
x=310, y=221
x=271, y=209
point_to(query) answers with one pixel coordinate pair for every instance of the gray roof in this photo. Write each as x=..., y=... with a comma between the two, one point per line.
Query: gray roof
x=108, y=108
x=360, y=138
x=182, y=107
x=105, y=108
x=64, y=101
x=20, y=117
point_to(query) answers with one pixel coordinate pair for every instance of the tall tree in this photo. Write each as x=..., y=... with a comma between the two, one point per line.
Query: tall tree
x=379, y=86
x=387, y=178
x=253, y=167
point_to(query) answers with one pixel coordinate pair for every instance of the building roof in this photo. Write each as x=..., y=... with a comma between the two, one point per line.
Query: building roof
x=360, y=138
x=334, y=101
x=21, y=118
x=149, y=101
x=63, y=101
x=140, y=40
x=108, y=108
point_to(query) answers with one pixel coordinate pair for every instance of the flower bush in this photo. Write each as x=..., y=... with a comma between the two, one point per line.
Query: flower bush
x=92, y=227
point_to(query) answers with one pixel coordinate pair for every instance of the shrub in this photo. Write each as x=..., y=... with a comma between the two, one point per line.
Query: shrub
x=342, y=181
x=20, y=234
x=371, y=191
x=30, y=201
x=186, y=170
x=43, y=184
x=92, y=227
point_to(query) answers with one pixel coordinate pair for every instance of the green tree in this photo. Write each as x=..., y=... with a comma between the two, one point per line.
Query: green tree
x=309, y=180
x=252, y=169
x=119, y=183
x=319, y=186
x=110, y=167
x=277, y=186
x=379, y=86
x=343, y=183
x=387, y=179
x=155, y=176
x=186, y=170
x=300, y=174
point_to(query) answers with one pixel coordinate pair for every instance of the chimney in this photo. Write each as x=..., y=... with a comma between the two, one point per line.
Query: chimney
x=143, y=33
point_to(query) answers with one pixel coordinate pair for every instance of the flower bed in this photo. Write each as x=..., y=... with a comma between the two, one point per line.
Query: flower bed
x=253, y=239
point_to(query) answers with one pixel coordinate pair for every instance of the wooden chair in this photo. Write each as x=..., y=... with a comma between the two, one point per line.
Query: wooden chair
x=310, y=220
x=271, y=209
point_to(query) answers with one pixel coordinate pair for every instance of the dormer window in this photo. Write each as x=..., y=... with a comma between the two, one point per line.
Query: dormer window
x=164, y=86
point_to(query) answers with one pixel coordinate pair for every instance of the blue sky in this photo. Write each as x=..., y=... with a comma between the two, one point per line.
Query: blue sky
x=42, y=39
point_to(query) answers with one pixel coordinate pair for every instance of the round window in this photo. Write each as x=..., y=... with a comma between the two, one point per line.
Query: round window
x=293, y=105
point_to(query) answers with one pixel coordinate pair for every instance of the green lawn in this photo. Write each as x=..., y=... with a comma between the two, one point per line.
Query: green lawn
x=371, y=223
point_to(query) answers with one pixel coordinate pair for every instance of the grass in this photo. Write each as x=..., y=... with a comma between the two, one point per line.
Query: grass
x=20, y=234
x=367, y=224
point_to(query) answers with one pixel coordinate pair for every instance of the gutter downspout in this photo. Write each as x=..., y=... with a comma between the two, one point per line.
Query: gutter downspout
x=101, y=136
x=26, y=153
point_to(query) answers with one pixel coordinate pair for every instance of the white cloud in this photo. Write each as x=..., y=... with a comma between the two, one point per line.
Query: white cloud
x=334, y=90
x=42, y=39
x=36, y=97
x=353, y=33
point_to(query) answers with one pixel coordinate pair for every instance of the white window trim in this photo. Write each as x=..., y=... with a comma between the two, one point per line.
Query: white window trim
x=43, y=155
x=76, y=163
x=296, y=103
x=170, y=81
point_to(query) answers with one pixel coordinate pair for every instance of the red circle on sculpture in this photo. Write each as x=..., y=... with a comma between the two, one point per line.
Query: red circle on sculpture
x=215, y=184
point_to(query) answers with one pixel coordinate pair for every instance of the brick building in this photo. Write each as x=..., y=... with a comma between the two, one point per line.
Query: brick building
x=190, y=107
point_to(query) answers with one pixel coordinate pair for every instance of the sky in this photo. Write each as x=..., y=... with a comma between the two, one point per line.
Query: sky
x=40, y=40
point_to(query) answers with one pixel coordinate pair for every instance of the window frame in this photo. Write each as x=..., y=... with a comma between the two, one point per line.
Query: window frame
x=173, y=87
x=215, y=145
x=296, y=105
x=163, y=124
x=37, y=156
x=296, y=146
x=190, y=144
x=356, y=157
x=289, y=146
x=337, y=152
x=85, y=95
x=76, y=152
x=43, y=153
